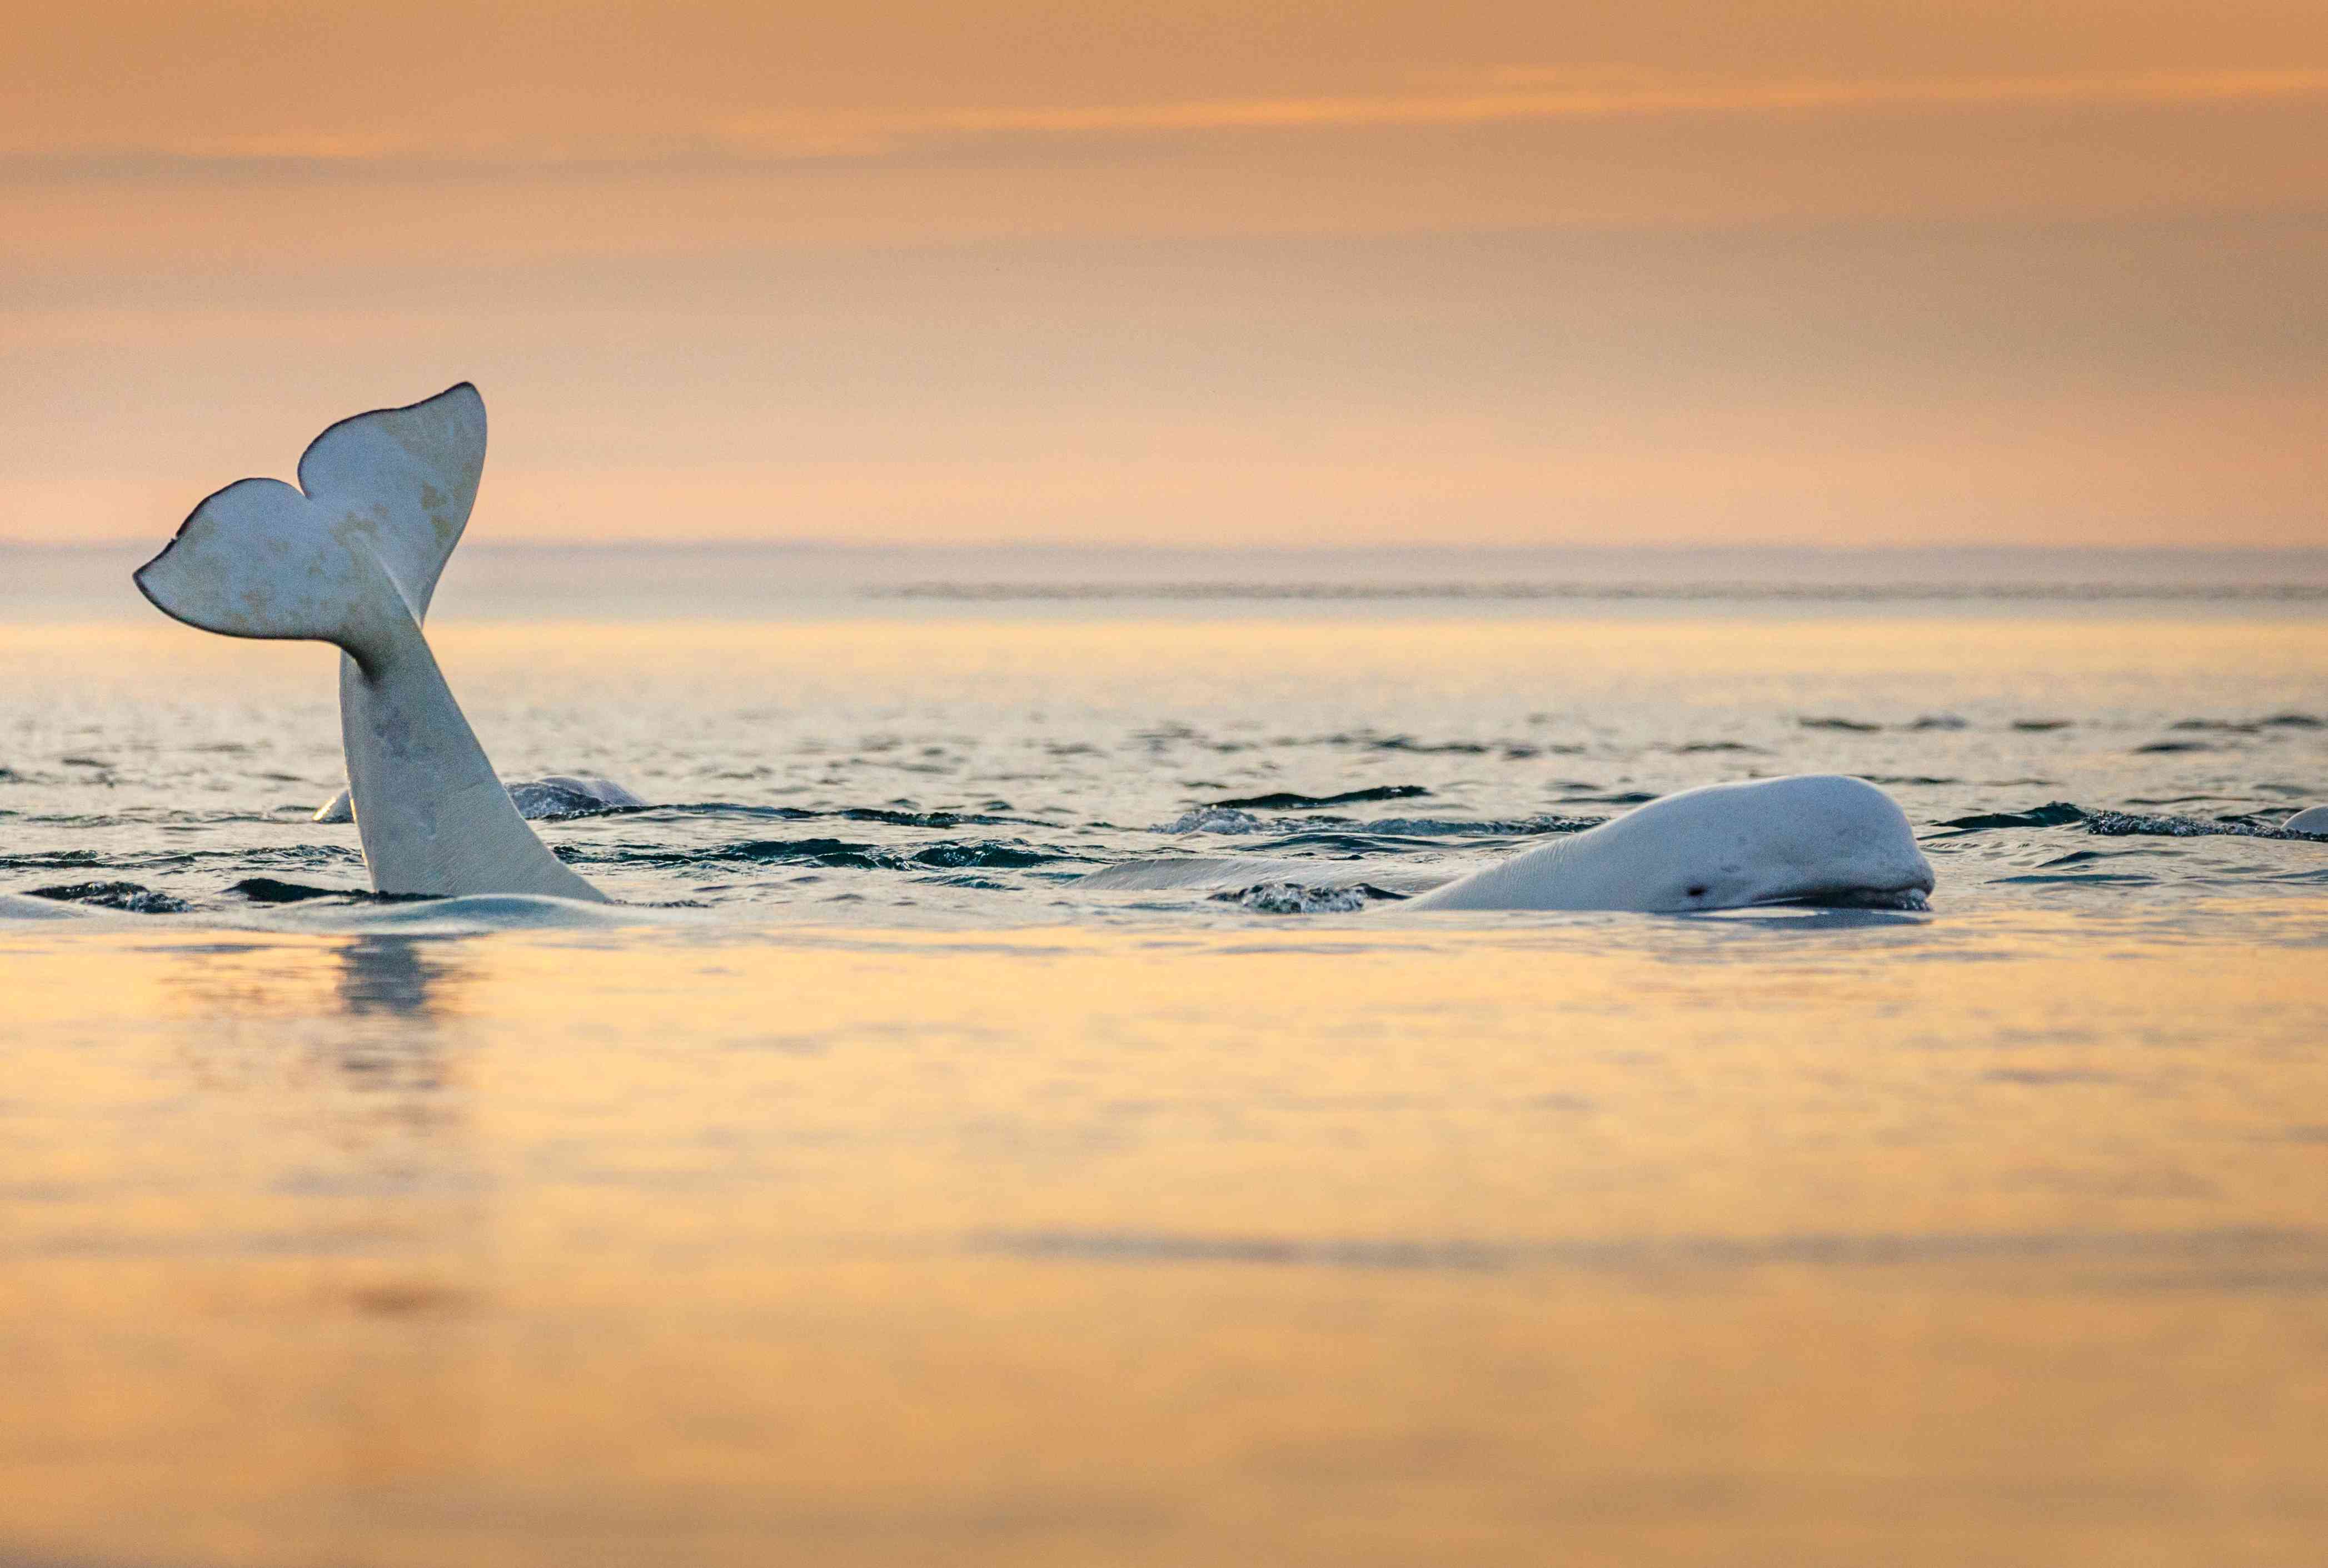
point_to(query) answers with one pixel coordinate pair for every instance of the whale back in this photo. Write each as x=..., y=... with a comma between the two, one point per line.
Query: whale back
x=1816, y=837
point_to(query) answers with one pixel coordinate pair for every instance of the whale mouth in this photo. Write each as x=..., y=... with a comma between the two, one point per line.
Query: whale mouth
x=1915, y=895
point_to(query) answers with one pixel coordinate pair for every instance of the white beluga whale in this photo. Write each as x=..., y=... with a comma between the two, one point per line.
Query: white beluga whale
x=2310, y=820
x=351, y=557
x=1813, y=838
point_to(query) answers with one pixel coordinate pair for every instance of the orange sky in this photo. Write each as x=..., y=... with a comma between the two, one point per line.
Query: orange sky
x=1669, y=271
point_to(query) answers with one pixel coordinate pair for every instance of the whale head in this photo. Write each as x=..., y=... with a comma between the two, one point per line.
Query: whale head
x=1817, y=839
x=1820, y=839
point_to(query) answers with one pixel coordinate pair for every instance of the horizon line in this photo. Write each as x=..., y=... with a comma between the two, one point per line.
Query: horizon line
x=710, y=544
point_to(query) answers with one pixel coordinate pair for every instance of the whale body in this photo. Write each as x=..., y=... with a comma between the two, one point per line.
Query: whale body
x=1813, y=838
x=19, y=906
x=2310, y=820
x=561, y=794
x=351, y=557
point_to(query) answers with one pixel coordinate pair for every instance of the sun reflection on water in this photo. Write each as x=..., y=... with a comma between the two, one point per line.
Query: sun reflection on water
x=1342, y=1246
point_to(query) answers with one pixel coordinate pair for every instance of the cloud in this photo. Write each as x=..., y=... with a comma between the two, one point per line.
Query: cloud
x=1510, y=95
x=1518, y=95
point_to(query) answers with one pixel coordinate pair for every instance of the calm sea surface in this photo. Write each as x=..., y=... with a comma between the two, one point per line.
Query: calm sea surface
x=868, y=1189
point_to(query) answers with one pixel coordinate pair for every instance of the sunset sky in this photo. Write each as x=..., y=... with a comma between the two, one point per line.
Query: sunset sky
x=1475, y=271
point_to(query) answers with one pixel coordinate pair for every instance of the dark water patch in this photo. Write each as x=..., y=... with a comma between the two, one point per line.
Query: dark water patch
x=2169, y=747
x=998, y=856
x=1907, y=779
x=1293, y=801
x=2051, y=814
x=51, y=861
x=1348, y=845
x=2079, y=879
x=84, y=762
x=1408, y=744
x=1230, y=822
x=909, y=819
x=833, y=852
x=1705, y=748
x=123, y=895
x=1846, y=726
x=1229, y=819
x=2250, y=726
x=888, y=816
x=2120, y=824
x=1508, y=827
x=268, y=890
x=301, y=856
x=2041, y=725
x=1611, y=798
x=1932, y=721
x=154, y=816
x=731, y=809
x=2039, y=1077
x=1295, y=899
x=838, y=854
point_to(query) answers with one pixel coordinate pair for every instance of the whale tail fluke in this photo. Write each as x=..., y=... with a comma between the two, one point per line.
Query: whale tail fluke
x=382, y=500
x=351, y=556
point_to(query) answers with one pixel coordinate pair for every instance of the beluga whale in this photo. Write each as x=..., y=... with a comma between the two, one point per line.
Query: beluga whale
x=351, y=557
x=1817, y=839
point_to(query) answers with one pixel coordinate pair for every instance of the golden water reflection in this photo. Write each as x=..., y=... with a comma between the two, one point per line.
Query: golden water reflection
x=1992, y=1240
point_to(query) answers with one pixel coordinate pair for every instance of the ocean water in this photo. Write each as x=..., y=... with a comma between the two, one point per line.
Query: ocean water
x=868, y=1188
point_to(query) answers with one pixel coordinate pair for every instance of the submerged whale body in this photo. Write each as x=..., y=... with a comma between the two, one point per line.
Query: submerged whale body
x=351, y=557
x=20, y=906
x=561, y=794
x=1813, y=838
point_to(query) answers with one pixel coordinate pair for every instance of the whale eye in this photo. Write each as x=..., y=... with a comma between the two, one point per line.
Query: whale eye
x=1694, y=892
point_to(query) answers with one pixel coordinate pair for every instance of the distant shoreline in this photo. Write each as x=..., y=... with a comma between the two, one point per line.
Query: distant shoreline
x=713, y=581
